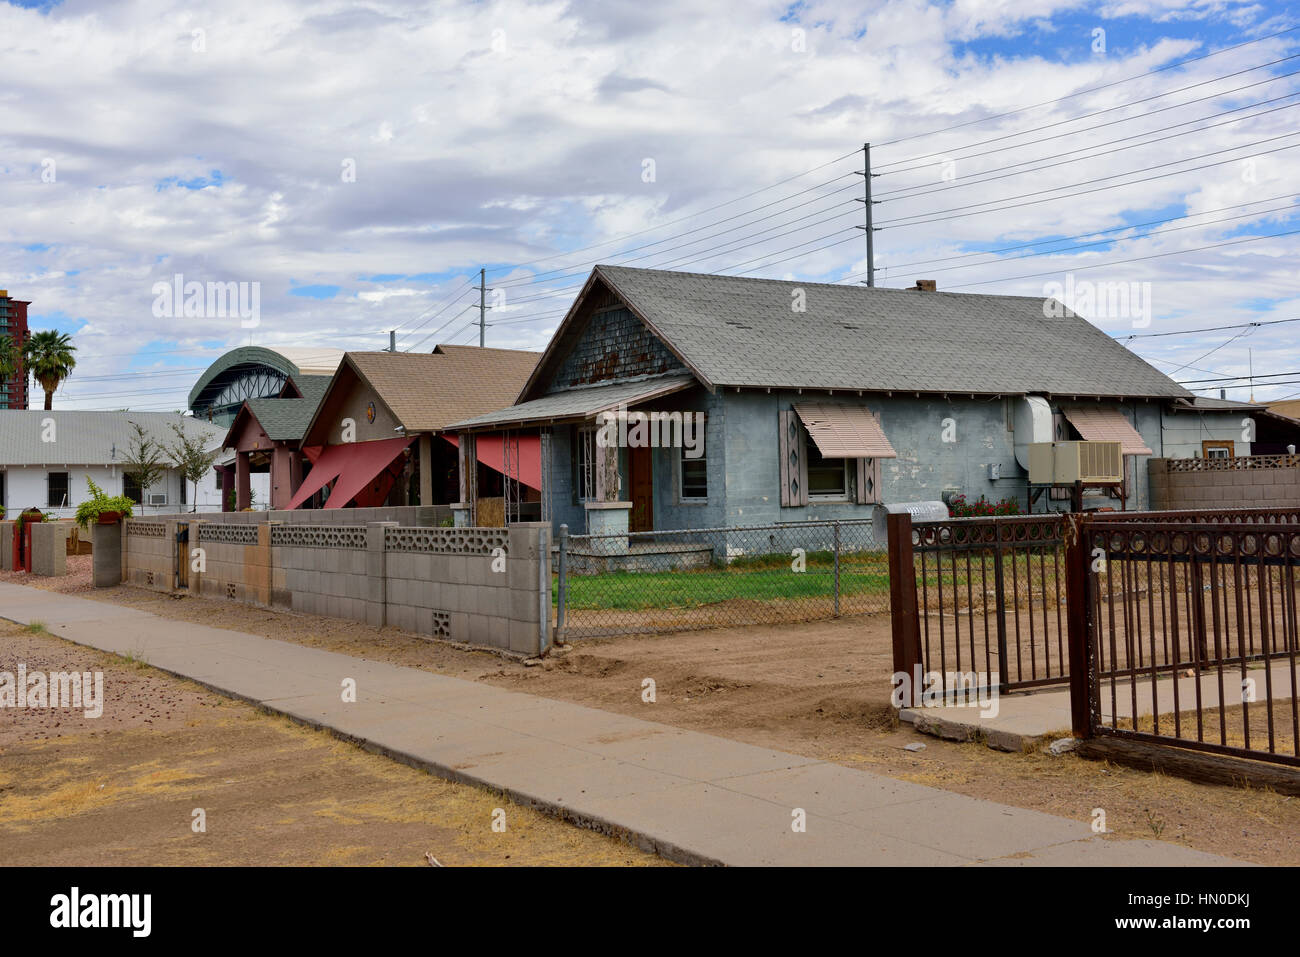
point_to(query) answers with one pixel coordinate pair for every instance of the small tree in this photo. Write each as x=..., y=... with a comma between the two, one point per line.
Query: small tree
x=145, y=460
x=188, y=455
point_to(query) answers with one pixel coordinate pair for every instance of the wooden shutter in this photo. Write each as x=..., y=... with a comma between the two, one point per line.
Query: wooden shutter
x=868, y=481
x=793, y=466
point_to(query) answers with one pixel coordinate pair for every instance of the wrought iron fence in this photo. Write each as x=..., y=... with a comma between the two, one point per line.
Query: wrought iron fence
x=714, y=577
x=988, y=595
x=1192, y=635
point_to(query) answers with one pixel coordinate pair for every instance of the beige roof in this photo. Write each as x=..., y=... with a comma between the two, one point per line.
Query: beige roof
x=429, y=391
x=1288, y=407
x=845, y=431
x=1104, y=423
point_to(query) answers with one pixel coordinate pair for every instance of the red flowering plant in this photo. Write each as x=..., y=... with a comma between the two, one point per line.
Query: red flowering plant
x=959, y=507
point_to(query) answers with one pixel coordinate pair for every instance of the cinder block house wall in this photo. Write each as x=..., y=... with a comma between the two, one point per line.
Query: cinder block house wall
x=1183, y=432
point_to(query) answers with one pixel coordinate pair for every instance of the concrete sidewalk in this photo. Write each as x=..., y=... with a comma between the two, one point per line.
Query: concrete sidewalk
x=692, y=797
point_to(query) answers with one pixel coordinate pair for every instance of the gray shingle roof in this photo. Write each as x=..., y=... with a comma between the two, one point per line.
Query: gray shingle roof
x=283, y=420
x=89, y=438
x=313, y=387
x=738, y=331
x=580, y=403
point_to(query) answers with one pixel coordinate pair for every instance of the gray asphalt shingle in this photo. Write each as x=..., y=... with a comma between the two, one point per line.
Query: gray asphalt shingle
x=738, y=331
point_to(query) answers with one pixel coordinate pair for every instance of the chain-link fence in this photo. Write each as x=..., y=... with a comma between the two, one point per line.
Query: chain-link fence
x=715, y=577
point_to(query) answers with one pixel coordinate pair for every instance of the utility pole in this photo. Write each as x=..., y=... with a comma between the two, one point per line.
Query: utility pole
x=867, y=202
x=482, y=306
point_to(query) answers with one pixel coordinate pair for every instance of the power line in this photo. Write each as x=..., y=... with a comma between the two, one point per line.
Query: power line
x=1192, y=169
x=1121, y=262
x=624, y=253
x=1102, y=242
x=1095, y=232
x=1095, y=89
x=972, y=181
x=682, y=219
x=1195, y=332
x=1116, y=122
x=1237, y=378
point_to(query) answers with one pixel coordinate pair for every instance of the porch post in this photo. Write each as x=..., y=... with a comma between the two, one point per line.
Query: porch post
x=243, y=488
x=466, y=510
x=426, y=468
x=607, y=515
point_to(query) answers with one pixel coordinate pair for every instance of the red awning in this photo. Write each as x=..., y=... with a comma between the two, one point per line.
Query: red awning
x=526, y=456
x=355, y=465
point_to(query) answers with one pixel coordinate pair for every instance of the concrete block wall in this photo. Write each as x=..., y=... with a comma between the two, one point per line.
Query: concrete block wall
x=483, y=586
x=1174, y=488
x=488, y=587
x=149, y=553
x=50, y=548
x=413, y=515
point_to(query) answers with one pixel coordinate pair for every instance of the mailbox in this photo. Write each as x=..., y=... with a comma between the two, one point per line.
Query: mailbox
x=920, y=512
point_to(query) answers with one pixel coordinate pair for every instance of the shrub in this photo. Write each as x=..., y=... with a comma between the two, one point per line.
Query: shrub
x=88, y=512
x=982, y=507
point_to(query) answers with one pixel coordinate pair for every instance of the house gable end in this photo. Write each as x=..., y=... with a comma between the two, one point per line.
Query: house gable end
x=605, y=342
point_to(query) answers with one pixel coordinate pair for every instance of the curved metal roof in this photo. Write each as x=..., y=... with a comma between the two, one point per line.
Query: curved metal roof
x=217, y=374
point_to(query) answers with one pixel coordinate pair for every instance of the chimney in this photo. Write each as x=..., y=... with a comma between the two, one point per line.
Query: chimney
x=926, y=285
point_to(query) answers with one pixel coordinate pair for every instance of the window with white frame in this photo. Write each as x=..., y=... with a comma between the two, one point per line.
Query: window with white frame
x=828, y=479
x=56, y=489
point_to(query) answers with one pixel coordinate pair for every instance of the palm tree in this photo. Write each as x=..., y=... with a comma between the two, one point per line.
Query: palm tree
x=48, y=355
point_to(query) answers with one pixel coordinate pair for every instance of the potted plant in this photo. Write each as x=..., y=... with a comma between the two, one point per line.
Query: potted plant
x=102, y=509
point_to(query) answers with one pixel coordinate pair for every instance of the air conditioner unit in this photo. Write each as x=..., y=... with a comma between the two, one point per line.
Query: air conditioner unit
x=1058, y=463
x=157, y=498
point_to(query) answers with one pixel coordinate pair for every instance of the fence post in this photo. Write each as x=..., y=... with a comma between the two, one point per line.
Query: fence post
x=902, y=605
x=837, y=569
x=1000, y=604
x=1079, y=623
x=563, y=589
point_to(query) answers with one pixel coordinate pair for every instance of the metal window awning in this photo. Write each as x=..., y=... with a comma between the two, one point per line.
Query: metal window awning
x=525, y=454
x=1105, y=423
x=845, y=431
x=355, y=465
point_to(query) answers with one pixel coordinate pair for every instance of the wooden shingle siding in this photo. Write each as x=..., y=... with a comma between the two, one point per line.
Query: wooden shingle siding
x=614, y=345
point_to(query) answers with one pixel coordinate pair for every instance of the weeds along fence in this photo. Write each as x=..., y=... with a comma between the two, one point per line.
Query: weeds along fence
x=716, y=577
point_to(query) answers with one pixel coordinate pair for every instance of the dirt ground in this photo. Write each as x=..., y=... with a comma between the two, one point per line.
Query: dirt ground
x=818, y=689
x=122, y=788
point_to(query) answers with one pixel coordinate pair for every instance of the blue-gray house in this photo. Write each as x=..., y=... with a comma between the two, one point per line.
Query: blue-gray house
x=815, y=401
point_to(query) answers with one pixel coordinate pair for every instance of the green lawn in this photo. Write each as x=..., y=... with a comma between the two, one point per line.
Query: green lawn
x=761, y=578
x=771, y=577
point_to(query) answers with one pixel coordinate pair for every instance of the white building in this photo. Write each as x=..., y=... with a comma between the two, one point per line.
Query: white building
x=46, y=457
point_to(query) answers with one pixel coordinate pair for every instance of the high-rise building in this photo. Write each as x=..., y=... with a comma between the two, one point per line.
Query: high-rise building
x=13, y=325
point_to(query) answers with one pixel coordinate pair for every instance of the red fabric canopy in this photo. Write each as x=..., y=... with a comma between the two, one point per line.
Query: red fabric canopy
x=526, y=456
x=357, y=466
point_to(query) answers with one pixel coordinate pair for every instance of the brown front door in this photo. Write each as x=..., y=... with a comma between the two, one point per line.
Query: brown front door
x=642, y=478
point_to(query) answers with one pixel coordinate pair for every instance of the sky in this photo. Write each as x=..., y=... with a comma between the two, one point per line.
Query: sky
x=352, y=167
